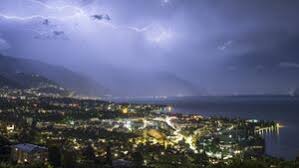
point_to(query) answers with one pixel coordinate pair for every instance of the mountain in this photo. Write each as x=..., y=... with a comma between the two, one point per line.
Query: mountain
x=177, y=85
x=24, y=81
x=154, y=83
x=11, y=69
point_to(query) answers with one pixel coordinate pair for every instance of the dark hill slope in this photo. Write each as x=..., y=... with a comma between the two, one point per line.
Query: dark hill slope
x=10, y=66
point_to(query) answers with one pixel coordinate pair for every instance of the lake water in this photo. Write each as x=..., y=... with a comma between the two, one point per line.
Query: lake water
x=282, y=109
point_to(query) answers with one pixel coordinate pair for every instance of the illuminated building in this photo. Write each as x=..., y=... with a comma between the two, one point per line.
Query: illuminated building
x=125, y=110
x=28, y=153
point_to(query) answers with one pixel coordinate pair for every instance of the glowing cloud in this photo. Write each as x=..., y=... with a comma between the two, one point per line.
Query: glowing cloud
x=165, y=2
x=69, y=14
x=3, y=44
x=225, y=45
x=155, y=33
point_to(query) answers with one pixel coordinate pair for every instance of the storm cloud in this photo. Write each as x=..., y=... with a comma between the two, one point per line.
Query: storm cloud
x=218, y=47
x=3, y=44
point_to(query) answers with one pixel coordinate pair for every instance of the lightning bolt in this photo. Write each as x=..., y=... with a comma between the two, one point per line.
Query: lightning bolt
x=143, y=29
x=78, y=12
x=55, y=8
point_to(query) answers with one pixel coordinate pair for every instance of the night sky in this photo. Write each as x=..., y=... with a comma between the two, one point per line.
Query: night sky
x=161, y=47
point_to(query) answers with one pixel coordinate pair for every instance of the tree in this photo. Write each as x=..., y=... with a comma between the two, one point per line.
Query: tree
x=202, y=160
x=55, y=156
x=29, y=135
x=69, y=159
x=138, y=159
x=237, y=163
x=108, y=156
x=4, y=141
x=88, y=153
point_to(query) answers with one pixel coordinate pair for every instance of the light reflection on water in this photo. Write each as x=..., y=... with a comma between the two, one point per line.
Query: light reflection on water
x=281, y=109
x=281, y=144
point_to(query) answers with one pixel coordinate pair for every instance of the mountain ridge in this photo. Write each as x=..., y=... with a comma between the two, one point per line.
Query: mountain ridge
x=82, y=85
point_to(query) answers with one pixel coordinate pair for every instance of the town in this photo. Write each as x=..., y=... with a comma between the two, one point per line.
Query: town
x=55, y=130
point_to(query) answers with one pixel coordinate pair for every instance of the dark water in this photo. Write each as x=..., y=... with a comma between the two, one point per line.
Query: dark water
x=282, y=109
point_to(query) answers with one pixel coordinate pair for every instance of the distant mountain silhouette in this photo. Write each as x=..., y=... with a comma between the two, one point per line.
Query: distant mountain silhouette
x=158, y=83
x=175, y=84
x=17, y=72
x=24, y=81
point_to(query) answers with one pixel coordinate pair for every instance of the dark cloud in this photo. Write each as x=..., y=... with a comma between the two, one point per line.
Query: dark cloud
x=289, y=65
x=51, y=35
x=46, y=22
x=223, y=46
x=58, y=33
x=101, y=17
